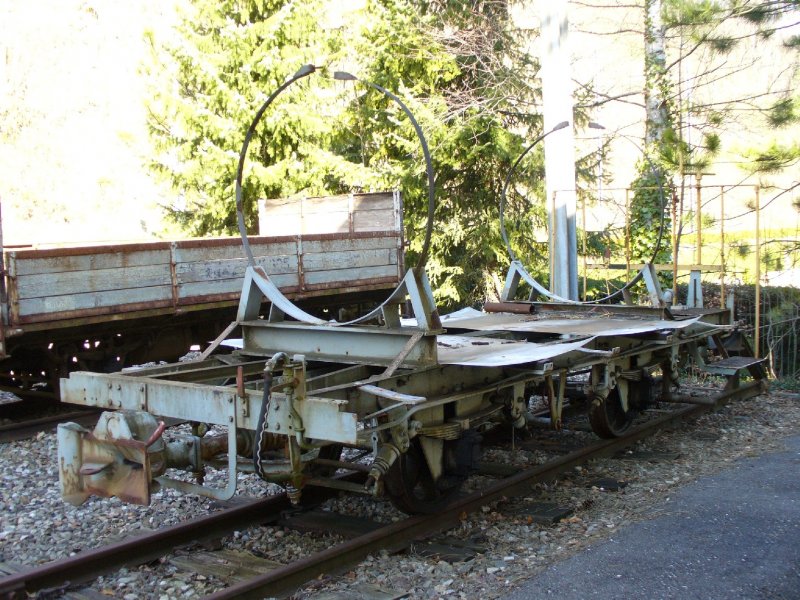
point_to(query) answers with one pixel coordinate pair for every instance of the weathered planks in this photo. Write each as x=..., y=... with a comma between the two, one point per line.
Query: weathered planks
x=349, y=276
x=93, y=280
x=351, y=213
x=317, y=245
x=47, y=261
x=85, y=303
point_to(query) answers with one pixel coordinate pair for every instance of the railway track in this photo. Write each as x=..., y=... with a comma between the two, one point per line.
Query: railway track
x=61, y=575
x=26, y=418
x=282, y=579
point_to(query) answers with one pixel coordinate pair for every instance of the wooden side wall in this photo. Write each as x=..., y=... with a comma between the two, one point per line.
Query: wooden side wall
x=67, y=283
x=351, y=213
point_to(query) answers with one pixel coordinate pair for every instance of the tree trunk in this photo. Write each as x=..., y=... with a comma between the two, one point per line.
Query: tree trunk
x=656, y=85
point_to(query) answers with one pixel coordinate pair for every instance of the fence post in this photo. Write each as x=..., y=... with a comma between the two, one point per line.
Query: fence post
x=3, y=294
x=758, y=274
x=722, y=246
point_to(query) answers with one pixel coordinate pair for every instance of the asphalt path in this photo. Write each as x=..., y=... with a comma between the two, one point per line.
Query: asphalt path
x=734, y=535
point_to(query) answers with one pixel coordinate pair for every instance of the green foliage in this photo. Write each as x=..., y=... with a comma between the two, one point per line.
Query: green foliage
x=228, y=57
x=774, y=158
x=721, y=44
x=649, y=220
x=690, y=12
x=783, y=112
x=756, y=14
x=712, y=142
x=322, y=137
x=471, y=145
x=741, y=249
x=720, y=25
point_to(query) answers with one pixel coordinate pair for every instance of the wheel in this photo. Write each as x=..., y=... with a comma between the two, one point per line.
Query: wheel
x=410, y=485
x=642, y=394
x=607, y=417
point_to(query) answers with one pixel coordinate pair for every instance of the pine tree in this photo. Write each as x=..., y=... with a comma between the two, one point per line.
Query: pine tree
x=228, y=57
x=457, y=65
x=446, y=58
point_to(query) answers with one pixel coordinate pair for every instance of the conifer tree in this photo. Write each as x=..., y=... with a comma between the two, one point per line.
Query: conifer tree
x=228, y=57
x=457, y=65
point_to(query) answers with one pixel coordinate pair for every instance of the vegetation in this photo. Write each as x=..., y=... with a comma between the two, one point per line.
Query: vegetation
x=458, y=66
x=694, y=51
x=463, y=70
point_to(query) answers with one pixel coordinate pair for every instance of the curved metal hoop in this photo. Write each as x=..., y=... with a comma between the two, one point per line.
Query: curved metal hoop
x=296, y=312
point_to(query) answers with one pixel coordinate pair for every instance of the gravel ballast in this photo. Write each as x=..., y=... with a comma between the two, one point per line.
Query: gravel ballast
x=36, y=526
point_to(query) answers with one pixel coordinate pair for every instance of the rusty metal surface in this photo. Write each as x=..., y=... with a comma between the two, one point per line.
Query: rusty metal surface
x=522, y=308
x=256, y=240
x=51, y=305
x=11, y=432
x=297, y=292
x=89, y=564
x=83, y=249
x=77, y=250
x=109, y=461
x=117, y=310
x=629, y=310
x=80, y=318
x=594, y=325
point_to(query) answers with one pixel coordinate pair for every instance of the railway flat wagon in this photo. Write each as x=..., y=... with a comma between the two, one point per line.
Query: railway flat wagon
x=105, y=306
x=408, y=399
x=383, y=404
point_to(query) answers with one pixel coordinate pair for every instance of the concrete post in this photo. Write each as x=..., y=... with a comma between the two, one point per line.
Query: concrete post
x=559, y=148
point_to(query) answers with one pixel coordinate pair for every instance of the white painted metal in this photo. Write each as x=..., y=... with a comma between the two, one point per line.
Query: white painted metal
x=695, y=294
x=559, y=148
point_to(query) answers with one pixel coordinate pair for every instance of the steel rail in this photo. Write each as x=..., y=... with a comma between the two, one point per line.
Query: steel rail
x=24, y=429
x=396, y=536
x=85, y=566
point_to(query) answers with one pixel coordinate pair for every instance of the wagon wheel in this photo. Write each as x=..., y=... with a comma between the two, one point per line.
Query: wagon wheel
x=607, y=417
x=410, y=485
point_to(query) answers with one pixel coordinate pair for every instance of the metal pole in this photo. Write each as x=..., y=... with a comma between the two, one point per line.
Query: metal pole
x=675, y=249
x=585, y=233
x=758, y=273
x=627, y=234
x=559, y=155
x=551, y=208
x=699, y=220
x=722, y=302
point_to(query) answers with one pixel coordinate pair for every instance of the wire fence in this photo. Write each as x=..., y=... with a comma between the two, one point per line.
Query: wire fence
x=779, y=328
x=744, y=240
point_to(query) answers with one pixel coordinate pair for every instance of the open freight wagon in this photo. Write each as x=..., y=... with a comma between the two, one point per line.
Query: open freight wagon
x=105, y=306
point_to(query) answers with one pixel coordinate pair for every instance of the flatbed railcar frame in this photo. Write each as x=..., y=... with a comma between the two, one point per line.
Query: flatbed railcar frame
x=413, y=396
x=409, y=398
